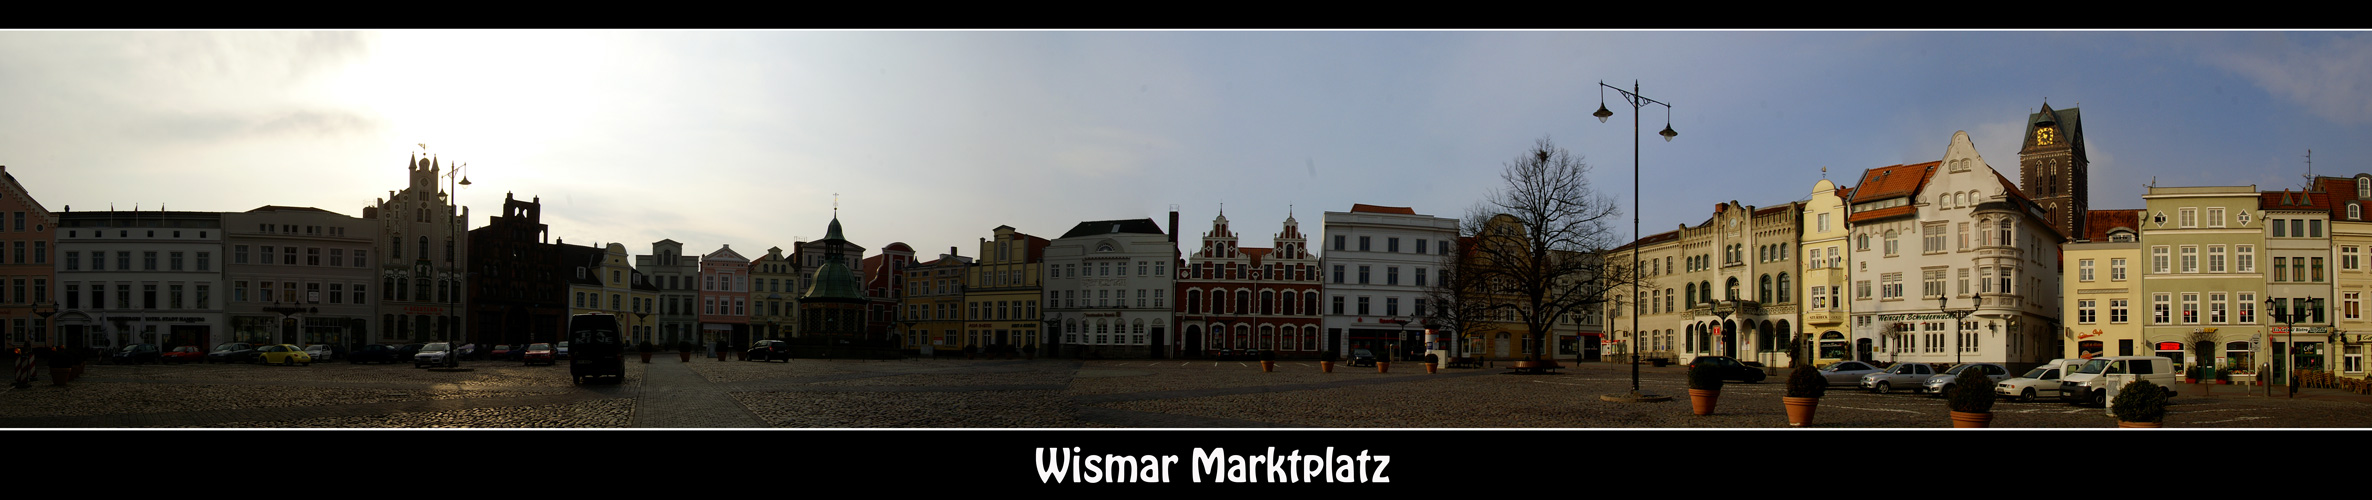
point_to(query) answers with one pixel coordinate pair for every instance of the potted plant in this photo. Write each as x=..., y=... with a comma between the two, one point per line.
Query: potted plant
x=2140, y=404
x=1432, y=362
x=2224, y=375
x=1704, y=388
x=646, y=348
x=1326, y=362
x=1972, y=401
x=684, y=350
x=1805, y=386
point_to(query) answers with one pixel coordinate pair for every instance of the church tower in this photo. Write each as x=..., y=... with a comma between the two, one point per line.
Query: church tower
x=2053, y=170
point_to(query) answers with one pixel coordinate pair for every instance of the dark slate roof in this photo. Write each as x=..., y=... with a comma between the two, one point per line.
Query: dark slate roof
x=1138, y=226
x=2070, y=123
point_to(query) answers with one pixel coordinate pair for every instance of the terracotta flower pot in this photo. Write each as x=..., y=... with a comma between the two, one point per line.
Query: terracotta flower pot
x=1703, y=400
x=1383, y=367
x=686, y=355
x=1430, y=367
x=1268, y=366
x=646, y=358
x=1972, y=420
x=1799, y=410
x=1326, y=366
x=2140, y=425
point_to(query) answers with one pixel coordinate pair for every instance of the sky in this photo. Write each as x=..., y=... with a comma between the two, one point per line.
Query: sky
x=934, y=139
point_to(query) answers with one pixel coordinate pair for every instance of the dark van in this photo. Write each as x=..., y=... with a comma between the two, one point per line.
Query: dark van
x=596, y=348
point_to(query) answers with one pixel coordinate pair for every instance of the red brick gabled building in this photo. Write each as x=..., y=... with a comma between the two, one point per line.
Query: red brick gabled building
x=1232, y=299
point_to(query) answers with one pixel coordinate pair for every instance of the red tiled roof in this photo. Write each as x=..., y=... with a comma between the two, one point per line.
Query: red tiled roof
x=1883, y=213
x=1378, y=209
x=2098, y=223
x=1898, y=180
x=1652, y=239
x=2294, y=200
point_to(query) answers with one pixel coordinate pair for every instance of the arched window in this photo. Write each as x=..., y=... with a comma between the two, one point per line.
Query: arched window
x=1764, y=293
x=423, y=247
x=1194, y=301
x=1784, y=287
x=1692, y=294
x=1268, y=302
x=2363, y=187
x=1730, y=291
x=2355, y=211
x=1243, y=301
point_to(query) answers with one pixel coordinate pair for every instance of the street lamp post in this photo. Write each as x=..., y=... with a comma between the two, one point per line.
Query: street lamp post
x=1636, y=101
x=1959, y=331
x=2288, y=317
x=454, y=246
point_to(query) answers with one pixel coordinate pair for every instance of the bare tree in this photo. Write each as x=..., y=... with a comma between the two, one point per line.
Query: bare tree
x=1538, y=244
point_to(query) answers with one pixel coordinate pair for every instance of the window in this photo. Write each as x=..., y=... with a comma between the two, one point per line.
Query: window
x=1363, y=310
x=2216, y=308
x=73, y=262
x=2190, y=308
x=2350, y=304
x=1391, y=275
x=205, y=261
x=2246, y=302
x=2215, y=258
x=1392, y=245
x=2244, y=258
x=2188, y=217
x=2162, y=309
x=1892, y=246
x=2159, y=263
x=2190, y=259
x=1338, y=242
x=2279, y=230
x=2215, y=216
x=2116, y=269
x=1363, y=276
x=2118, y=310
x=1931, y=283
x=1338, y=274
x=2350, y=258
x=2084, y=270
x=2317, y=277
x=2281, y=269
x=1891, y=285
x=1932, y=238
x=1363, y=243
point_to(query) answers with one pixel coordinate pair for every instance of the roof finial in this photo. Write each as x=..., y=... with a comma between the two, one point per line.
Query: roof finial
x=835, y=205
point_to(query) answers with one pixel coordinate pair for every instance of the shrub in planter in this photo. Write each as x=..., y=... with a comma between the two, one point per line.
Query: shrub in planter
x=1974, y=394
x=1972, y=401
x=2140, y=402
x=1805, y=386
x=1806, y=382
x=1704, y=388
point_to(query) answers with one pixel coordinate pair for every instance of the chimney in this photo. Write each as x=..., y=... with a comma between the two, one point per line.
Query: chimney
x=1173, y=228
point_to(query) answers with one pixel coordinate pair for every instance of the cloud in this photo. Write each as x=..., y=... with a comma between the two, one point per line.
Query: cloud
x=2330, y=75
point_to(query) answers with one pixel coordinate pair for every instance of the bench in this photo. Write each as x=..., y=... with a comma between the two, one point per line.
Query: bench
x=1466, y=362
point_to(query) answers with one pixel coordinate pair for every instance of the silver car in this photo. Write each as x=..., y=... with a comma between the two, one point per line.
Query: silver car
x=1944, y=383
x=1900, y=375
x=1846, y=373
x=436, y=354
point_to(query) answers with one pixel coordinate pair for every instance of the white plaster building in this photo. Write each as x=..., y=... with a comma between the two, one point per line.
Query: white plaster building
x=1107, y=286
x=1378, y=262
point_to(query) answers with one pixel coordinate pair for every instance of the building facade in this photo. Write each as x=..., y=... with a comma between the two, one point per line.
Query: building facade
x=301, y=275
x=136, y=278
x=1004, y=288
x=31, y=232
x=1826, y=313
x=1237, y=299
x=1985, y=257
x=932, y=318
x=674, y=274
x=724, y=297
x=2106, y=288
x=1378, y=257
x=1101, y=278
x=834, y=304
x=518, y=287
x=2193, y=293
x=774, y=305
x=420, y=259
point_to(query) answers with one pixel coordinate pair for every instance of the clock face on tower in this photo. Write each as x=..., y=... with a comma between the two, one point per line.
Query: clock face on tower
x=2044, y=136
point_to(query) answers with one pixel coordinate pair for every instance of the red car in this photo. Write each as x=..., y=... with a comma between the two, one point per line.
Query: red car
x=540, y=354
x=184, y=354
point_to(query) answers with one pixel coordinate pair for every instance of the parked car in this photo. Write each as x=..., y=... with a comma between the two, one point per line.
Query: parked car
x=232, y=352
x=373, y=353
x=2091, y=383
x=505, y=352
x=436, y=354
x=1847, y=373
x=560, y=349
x=282, y=354
x=1899, y=375
x=406, y=351
x=2036, y=382
x=1948, y=381
x=770, y=350
x=1730, y=368
x=183, y=354
x=539, y=354
x=469, y=351
x=1362, y=357
x=138, y=353
x=600, y=350
x=321, y=352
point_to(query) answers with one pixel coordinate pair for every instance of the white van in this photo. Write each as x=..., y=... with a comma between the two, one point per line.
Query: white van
x=2090, y=384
